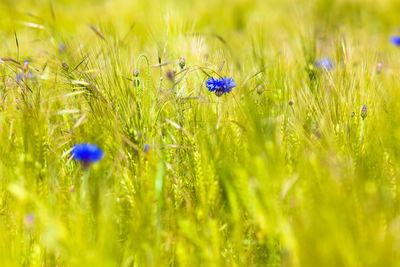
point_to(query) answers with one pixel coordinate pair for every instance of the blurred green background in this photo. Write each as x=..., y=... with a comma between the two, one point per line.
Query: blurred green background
x=246, y=179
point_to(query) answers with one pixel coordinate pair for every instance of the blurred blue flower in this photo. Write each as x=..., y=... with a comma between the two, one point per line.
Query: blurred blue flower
x=146, y=148
x=324, y=63
x=212, y=84
x=65, y=66
x=86, y=153
x=26, y=65
x=20, y=76
x=395, y=40
x=29, y=75
x=29, y=220
x=220, y=86
x=364, y=112
x=61, y=47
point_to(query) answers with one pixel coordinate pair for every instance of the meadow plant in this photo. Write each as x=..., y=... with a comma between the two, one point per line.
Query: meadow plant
x=199, y=133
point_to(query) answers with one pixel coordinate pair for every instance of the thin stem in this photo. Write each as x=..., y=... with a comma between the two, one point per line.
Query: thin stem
x=362, y=132
x=84, y=188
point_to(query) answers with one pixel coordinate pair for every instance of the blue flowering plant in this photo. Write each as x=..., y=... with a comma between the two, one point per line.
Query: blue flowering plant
x=395, y=40
x=220, y=86
x=364, y=112
x=86, y=153
x=25, y=66
x=325, y=63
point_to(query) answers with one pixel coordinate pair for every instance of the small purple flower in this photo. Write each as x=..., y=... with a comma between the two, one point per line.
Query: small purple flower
x=379, y=67
x=395, y=40
x=26, y=65
x=61, y=47
x=220, y=86
x=146, y=148
x=20, y=77
x=260, y=89
x=170, y=75
x=65, y=66
x=182, y=62
x=86, y=153
x=29, y=75
x=325, y=63
x=29, y=220
x=364, y=112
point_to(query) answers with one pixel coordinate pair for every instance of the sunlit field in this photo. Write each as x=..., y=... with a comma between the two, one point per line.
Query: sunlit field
x=199, y=133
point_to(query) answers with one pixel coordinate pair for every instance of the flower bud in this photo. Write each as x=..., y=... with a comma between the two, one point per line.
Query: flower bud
x=61, y=47
x=170, y=75
x=260, y=89
x=379, y=67
x=29, y=75
x=29, y=220
x=26, y=65
x=182, y=62
x=20, y=77
x=65, y=66
x=364, y=112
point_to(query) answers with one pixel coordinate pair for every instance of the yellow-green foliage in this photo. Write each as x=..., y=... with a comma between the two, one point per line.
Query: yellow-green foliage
x=277, y=173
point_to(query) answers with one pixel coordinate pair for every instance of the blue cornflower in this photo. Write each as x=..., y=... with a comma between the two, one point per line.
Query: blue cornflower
x=86, y=153
x=146, y=148
x=220, y=86
x=20, y=76
x=324, y=63
x=61, y=47
x=212, y=84
x=29, y=75
x=364, y=112
x=395, y=40
x=26, y=65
